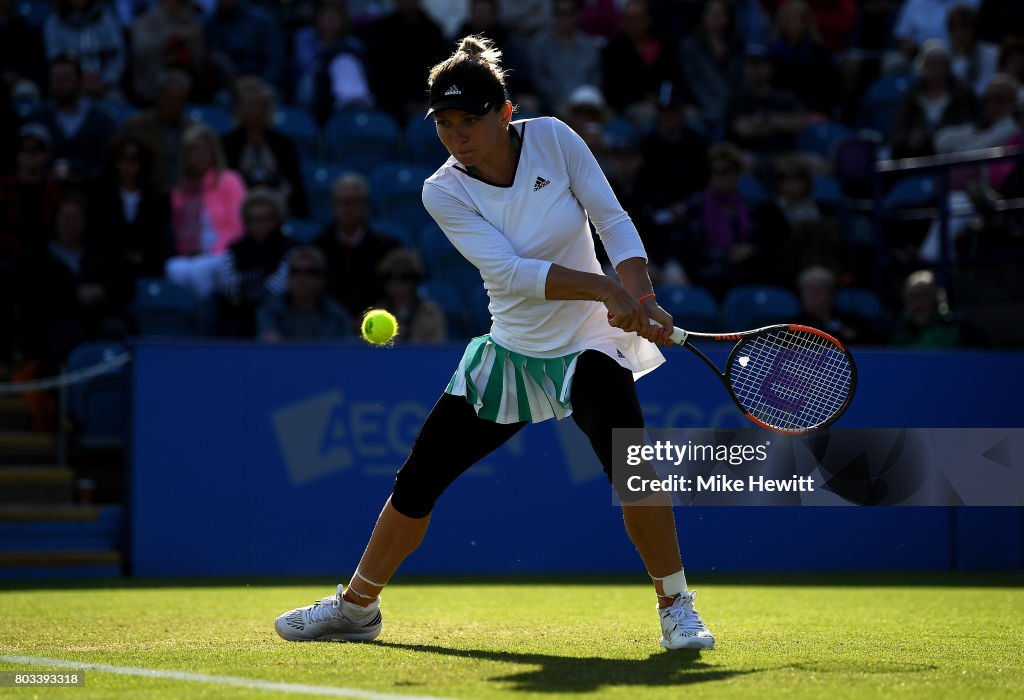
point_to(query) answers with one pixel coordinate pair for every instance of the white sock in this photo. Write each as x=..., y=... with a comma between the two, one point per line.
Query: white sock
x=672, y=585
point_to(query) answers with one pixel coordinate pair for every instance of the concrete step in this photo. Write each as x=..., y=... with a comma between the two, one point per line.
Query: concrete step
x=38, y=512
x=61, y=564
x=13, y=413
x=23, y=447
x=36, y=484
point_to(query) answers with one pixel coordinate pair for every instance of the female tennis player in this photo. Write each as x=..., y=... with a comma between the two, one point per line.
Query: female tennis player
x=514, y=198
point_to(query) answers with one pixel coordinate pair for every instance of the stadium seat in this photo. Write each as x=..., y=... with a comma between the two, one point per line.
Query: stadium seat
x=826, y=190
x=318, y=178
x=860, y=303
x=302, y=230
x=25, y=106
x=754, y=306
x=882, y=101
x=620, y=128
x=692, y=308
x=443, y=262
x=297, y=123
x=34, y=12
x=751, y=189
x=364, y=139
x=163, y=308
x=394, y=229
x=214, y=116
x=422, y=145
x=914, y=191
x=822, y=138
x=97, y=405
x=396, y=194
x=450, y=301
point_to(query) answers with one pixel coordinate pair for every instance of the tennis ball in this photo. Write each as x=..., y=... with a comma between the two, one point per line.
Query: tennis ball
x=379, y=326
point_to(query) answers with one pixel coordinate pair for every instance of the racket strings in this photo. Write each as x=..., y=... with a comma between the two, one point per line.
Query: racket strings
x=791, y=380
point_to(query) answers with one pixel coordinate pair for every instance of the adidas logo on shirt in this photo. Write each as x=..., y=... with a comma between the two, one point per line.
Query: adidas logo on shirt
x=453, y=90
x=541, y=182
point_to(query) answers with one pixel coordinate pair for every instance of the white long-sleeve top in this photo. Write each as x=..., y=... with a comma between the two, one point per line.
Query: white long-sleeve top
x=513, y=234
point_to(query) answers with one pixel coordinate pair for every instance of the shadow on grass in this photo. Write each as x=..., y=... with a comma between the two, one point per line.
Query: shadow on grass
x=567, y=674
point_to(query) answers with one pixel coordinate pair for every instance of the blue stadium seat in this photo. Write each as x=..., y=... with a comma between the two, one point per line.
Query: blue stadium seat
x=822, y=138
x=860, y=303
x=394, y=229
x=692, y=308
x=302, y=230
x=881, y=102
x=34, y=12
x=914, y=191
x=214, y=116
x=319, y=178
x=363, y=138
x=754, y=306
x=396, y=194
x=25, y=106
x=443, y=262
x=751, y=189
x=621, y=128
x=422, y=145
x=450, y=301
x=297, y=123
x=97, y=405
x=163, y=308
x=826, y=190
x=478, y=316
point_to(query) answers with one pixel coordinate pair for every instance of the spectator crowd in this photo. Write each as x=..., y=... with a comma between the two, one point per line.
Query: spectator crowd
x=193, y=142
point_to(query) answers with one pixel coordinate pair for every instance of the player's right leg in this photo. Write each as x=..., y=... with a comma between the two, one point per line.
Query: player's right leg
x=452, y=439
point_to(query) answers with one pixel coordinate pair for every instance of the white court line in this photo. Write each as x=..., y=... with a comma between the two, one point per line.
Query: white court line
x=254, y=683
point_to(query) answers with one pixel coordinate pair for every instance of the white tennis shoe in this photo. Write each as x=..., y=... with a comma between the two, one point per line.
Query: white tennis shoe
x=681, y=626
x=331, y=619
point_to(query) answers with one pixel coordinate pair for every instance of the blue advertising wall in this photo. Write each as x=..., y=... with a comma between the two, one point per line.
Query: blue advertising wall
x=275, y=460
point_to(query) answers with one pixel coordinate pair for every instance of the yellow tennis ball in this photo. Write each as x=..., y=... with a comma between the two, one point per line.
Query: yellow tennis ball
x=379, y=326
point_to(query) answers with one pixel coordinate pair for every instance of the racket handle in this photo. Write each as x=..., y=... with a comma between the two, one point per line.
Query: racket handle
x=678, y=336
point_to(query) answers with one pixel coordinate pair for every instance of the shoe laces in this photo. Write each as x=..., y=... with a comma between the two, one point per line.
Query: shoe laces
x=325, y=608
x=683, y=613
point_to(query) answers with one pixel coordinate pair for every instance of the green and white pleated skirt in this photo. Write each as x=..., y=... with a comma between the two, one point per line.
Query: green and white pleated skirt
x=508, y=387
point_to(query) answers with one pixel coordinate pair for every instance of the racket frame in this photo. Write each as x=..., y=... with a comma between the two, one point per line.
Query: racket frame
x=683, y=337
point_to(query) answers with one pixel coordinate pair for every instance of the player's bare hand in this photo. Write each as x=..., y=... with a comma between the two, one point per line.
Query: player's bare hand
x=660, y=334
x=625, y=312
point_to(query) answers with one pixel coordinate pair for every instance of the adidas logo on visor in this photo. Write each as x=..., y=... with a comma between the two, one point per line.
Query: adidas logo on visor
x=453, y=90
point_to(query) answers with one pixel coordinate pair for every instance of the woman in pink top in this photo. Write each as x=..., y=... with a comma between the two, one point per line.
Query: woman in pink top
x=206, y=211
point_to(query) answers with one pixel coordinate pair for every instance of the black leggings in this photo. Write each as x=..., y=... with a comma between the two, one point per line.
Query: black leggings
x=454, y=438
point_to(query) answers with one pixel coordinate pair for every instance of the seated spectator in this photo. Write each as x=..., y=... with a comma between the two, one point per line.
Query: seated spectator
x=525, y=18
x=563, y=57
x=328, y=61
x=802, y=64
x=80, y=131
x=997, y=122
x=206, y=210
x=1011, y=57
x=262, y=155
x=254, y=267
x=601, y=18
x=761, y=118
x=161, y=129
x=804, y=231
x=485, y=19
x=90, y=30
x=75, y=290
x=719, y=245
x=711, y=60
x=169, y=35
x=974, y=62
x=926, y=321
x=919, y=21
x=936, y=100
x=835, y=20
x=353, y=250
x=131, y=214
x=305, y=311
x=244, y=40
x=586, y=113
x=420, y=320
x=29, y=197
x=635, y=64
x=817, y=286
x=401, y=48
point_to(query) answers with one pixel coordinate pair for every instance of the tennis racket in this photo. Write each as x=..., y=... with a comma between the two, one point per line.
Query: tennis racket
x=788, y=378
